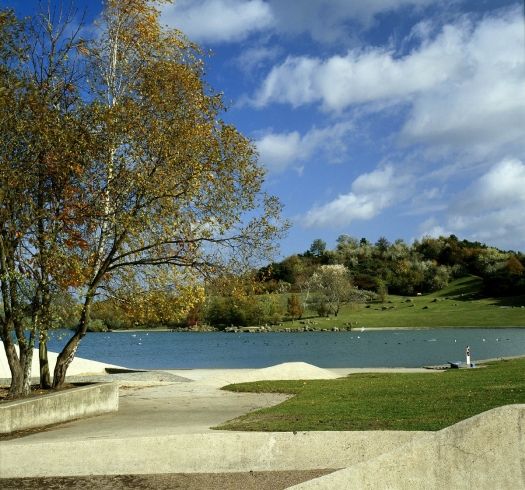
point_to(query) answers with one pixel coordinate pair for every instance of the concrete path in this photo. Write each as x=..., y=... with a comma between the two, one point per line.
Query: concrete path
x=157, y=408
x=484, y=452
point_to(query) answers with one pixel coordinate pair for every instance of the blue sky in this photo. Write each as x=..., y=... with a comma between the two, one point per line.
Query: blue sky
x=395, y=118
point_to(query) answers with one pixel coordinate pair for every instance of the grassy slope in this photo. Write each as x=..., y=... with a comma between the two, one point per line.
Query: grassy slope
x=458, y=305
x=386, y=401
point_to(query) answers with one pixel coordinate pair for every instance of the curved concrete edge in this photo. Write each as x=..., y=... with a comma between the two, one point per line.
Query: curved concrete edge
x=60, y=406
x=486, y=451
x=196, y=453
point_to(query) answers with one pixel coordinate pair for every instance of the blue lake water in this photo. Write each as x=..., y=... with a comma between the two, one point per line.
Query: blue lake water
x=371, y=348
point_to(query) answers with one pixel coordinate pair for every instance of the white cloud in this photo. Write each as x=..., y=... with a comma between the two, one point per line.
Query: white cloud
x=483, y=106
x=218, y=20
x=431, y=228
x=279, y=151
x=370, y=194
x=503, y=186
x=426, y=201
x=363, y=76
x=326, y=20
x=491, y=209
x=464, y=87
x=234, y=20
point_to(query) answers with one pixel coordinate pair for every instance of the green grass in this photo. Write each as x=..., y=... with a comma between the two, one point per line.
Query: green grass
x=458, y=305
x=386, y=401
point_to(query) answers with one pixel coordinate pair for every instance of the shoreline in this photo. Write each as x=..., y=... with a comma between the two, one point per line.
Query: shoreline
x=298, y=330
x=361, y=369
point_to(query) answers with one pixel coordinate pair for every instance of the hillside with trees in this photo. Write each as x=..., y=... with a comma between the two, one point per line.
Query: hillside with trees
x=425, y=266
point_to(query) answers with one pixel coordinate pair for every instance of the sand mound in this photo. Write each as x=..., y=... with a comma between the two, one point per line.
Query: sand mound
x=292, y=370
x=79, y=366
x=285, y=371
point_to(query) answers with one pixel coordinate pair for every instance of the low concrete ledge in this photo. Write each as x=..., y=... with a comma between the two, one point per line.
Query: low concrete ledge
x=195, y=453
x=61, y=406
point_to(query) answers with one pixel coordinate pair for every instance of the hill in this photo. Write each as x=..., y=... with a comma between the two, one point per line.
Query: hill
x=460, y=304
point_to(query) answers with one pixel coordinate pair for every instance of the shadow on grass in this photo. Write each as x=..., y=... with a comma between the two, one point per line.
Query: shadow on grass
x=510, y=301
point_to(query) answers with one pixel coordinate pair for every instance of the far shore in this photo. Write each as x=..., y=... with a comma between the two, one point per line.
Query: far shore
x=297, y=330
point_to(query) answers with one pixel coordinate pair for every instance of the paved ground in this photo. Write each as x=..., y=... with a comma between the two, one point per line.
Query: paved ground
x=157, y=403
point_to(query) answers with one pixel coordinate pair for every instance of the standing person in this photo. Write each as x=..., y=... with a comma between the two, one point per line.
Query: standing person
x=467, y=353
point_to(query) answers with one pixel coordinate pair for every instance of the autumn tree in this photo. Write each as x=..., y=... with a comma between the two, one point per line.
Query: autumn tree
x=507, y=279
x=151, y=299
x=13, y=218
x=241, y=300
x=294, y=307
x=382, y=290
x=62, y=136
x=39, y=159
x=115, y=178
x=317, y=248
x=172, y=184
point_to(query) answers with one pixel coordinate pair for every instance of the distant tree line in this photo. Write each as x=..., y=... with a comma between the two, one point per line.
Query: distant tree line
x=425, y=266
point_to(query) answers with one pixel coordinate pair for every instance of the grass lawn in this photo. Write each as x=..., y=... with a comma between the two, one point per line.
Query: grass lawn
x=386, y=401
x=458, y=305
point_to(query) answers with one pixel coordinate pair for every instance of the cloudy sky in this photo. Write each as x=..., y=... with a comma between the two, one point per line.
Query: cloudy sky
x=396, y=118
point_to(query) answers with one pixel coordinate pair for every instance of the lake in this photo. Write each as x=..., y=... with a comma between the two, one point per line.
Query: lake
x=371, y=348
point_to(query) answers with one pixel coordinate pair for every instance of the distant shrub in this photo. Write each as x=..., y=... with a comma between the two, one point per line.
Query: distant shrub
x=96, y=326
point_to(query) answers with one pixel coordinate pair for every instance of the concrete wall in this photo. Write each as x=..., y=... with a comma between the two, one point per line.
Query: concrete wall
x=58, y=407
x=195, y=453
x=484, y=452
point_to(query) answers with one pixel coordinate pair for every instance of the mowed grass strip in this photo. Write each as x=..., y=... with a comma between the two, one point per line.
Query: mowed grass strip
x=393, y=401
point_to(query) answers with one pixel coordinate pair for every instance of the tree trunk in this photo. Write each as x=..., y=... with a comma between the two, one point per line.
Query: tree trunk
x=17, y=373
x=64, y=360
x=20, y=374
x=45, y=375
x=28, y=364
x=68, y=352
x=16, y=388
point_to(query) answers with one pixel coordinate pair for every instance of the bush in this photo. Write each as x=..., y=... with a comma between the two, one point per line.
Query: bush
x=322, y=309
x=97, y=326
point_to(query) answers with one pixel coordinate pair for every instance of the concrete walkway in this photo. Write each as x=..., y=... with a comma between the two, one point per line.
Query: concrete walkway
x=484, y=452
x=160, y=408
